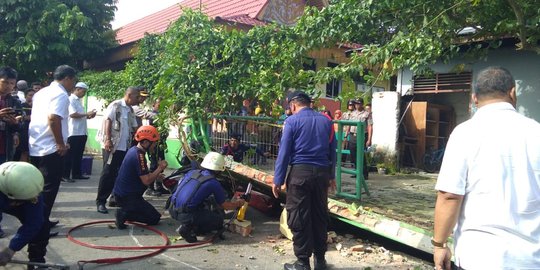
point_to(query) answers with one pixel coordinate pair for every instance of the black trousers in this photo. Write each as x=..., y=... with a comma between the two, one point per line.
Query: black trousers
x=352, y=147
x=73, y=160
x=51, y=166
x=207, y=218
x=307, y=209
x=108, y=174
x=37, y=247
x=136, y=208
x=155, y=156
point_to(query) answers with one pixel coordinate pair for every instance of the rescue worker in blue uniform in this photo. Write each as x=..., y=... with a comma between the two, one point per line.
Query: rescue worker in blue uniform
x=20, y=186
x=199, y=199
x=307, y=145
x=134, y=178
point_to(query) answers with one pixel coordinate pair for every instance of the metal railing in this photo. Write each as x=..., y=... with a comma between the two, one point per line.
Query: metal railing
x=260, y=136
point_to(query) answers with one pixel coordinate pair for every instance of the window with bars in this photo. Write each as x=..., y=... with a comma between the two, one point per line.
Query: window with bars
x=443, y=83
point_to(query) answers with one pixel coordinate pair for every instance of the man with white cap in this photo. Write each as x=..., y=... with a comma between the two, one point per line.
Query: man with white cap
x=21, y=88
x=77, y=133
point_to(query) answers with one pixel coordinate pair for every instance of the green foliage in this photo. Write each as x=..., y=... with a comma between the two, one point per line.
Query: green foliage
x=202, y=68
x=416, y=33
x=36, y=36
x=145, y=68
x=207, y=69
x=107, y=85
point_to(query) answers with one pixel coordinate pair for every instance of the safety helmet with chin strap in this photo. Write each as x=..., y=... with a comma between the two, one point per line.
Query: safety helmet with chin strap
x=214, y=161
x=20, y=180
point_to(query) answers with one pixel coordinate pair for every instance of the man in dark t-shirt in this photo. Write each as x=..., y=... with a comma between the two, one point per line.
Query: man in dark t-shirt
x=238, y=150
x=133, y=179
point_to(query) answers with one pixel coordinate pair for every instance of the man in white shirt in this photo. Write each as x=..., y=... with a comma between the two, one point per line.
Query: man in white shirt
x=77, y=133
x=119, y=125
x=48, y=134
x=489, y=184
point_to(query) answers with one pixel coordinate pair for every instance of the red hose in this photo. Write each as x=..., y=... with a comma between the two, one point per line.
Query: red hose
x=114, y=260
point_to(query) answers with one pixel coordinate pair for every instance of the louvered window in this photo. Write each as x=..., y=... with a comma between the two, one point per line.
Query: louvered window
x=443, y=83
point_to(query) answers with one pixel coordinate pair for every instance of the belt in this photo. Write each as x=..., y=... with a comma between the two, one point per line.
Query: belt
x=310, y=167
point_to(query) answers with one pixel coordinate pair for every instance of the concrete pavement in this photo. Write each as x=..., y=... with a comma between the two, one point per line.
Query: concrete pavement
x=75, y=204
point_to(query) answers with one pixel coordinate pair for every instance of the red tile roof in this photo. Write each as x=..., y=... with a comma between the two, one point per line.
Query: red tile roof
x=244, y=11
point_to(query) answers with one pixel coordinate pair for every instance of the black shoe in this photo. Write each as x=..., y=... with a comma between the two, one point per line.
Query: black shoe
x=112, y=203
x=187, y=232
x=152, y=192
x=68, y=180
x=320, y=264
x=81, y=177
x=102, y=209
x=53, y=234
x=53, y=223
x=298, y=265
x=120, y=216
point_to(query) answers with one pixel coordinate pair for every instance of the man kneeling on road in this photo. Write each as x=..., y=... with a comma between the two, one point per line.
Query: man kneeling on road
x=20, y=185
x=133, y=179
x=196, y=199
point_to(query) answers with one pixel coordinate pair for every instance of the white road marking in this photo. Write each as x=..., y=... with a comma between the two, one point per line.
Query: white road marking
x=166, y=256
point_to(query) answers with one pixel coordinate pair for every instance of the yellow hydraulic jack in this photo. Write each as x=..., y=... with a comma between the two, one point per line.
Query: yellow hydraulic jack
x=42, y=265
x=237, y=223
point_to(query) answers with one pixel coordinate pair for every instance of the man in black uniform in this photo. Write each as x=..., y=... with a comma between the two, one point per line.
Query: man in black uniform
x=309, y=147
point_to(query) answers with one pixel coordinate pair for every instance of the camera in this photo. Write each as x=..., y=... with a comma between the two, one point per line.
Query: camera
x=17, y=112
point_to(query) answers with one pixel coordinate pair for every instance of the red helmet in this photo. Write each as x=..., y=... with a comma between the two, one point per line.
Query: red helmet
x=147, y=133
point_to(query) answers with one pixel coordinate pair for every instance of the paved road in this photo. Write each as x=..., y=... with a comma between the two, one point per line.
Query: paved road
x=75, y=205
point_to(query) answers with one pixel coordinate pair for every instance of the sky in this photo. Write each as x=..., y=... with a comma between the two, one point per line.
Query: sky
x=131, y=10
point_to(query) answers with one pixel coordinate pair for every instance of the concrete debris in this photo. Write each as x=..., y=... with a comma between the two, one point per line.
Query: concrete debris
x=353, y=249
x=357, y=248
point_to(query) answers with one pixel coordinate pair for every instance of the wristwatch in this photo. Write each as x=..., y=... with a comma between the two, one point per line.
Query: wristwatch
x=438, y=244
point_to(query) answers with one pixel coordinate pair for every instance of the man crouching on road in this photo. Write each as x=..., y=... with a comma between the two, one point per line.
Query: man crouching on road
x=133, y=179
x=197, y=189
x=20, y=185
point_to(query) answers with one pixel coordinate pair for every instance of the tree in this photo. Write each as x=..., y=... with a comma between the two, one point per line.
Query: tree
x=145, y=68
x=201, y=68
x=417, y=33
x=38, y=35
x=207, y=69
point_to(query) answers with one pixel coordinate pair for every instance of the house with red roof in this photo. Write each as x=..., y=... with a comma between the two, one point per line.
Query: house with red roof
x=238, y=14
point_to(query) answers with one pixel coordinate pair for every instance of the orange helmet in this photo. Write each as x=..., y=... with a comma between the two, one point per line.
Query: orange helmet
x=147, y=133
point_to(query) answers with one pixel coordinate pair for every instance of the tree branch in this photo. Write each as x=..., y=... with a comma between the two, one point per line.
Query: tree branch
x=525, y=45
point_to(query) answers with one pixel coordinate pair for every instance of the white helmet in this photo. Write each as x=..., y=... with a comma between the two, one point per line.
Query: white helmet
x=214, y=161
x=20, y=180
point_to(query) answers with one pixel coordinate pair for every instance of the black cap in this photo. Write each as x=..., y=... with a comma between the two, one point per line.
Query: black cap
x=359, y=101
x=298, y=95
x=351, y=102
